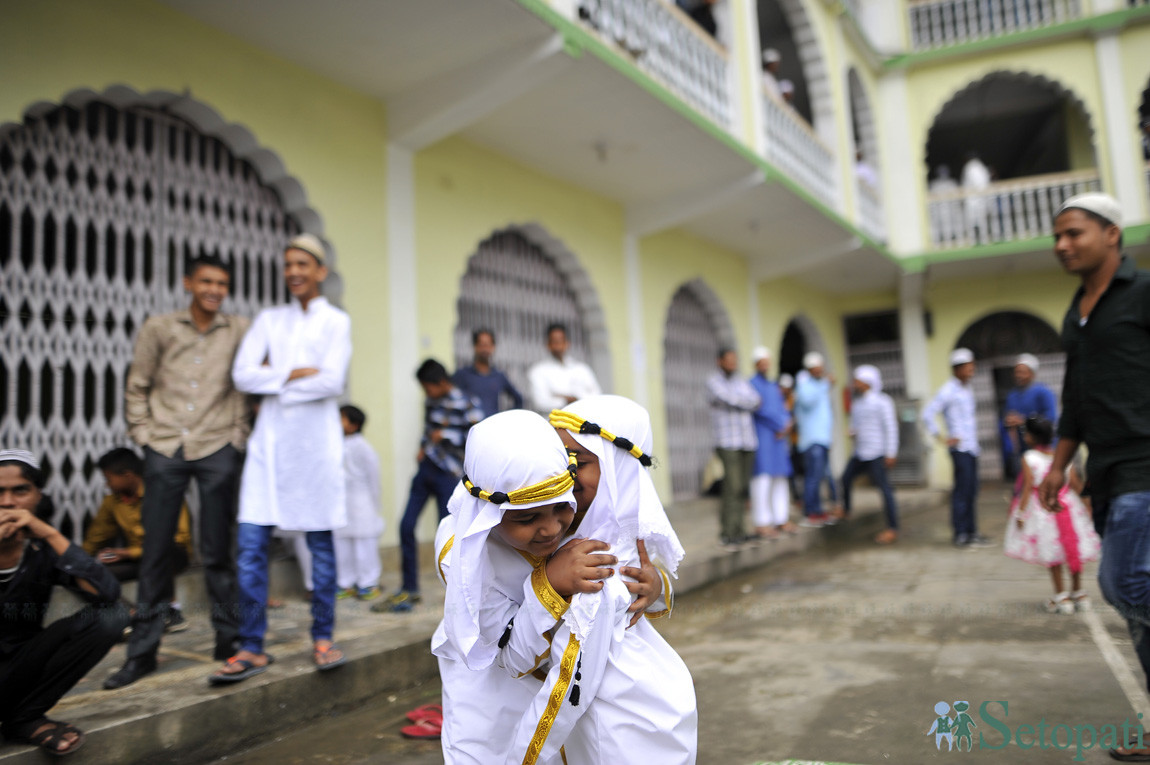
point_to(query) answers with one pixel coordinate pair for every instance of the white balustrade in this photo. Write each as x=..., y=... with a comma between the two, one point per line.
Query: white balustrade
x=870, y=210
x=793, y=147
x=667, y=44
x=938, y=23
x=1021, y=208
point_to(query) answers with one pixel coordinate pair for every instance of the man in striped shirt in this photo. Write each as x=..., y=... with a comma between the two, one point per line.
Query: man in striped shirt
x=732, y=401
x=955, y=402
x=875, y=432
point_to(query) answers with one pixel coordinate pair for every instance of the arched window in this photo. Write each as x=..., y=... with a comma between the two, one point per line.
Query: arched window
x=101, y=207
x=696, y=327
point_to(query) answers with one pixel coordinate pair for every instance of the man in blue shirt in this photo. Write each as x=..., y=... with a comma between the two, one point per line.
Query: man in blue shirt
x=814, y=418
x=482, y=380
x=1028, y=398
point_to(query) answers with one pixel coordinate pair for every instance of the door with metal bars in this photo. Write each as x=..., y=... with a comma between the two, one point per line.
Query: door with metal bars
x=101, y=207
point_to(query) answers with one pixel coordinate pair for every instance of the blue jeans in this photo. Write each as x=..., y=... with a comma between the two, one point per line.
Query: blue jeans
x=1124, y=572
x=965, y=493
x=876, y=468
x=429, y=479
x=814, y=470
x=253, y=580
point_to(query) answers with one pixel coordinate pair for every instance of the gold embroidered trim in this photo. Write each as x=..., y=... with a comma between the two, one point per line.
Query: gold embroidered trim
x=548, y=488
x=443, y=554
x=551, y=600
x=561, y=418
x=667, y=595
x=558, y=693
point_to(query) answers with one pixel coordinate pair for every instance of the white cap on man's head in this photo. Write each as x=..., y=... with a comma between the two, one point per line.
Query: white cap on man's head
x=1102, y=205
x=786, y=381
x=771, y=56
x=812, y=360
x=20, y=455
x=1027, y=360
x=961, y=356
x=759, y=353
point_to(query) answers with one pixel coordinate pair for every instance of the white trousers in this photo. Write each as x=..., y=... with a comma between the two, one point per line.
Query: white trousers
x=357, y=562
x=770, y=500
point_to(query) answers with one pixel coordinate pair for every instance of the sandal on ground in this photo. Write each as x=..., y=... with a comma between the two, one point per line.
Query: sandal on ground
x=328, y=657
x=50, y=738
x=433, y=712
x=1060, y=604
x=1081, y=600
x=1130, y=755
x=886, y=537
x=422, y=729
x=247, y=669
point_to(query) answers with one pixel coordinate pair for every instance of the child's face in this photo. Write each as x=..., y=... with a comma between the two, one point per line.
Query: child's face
x=436, y=389
x=125, y=485
x=348, y=428
x=587, y=471
x=536, y=530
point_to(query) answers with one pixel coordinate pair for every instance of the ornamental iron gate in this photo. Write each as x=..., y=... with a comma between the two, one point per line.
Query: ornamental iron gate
x=100, y=209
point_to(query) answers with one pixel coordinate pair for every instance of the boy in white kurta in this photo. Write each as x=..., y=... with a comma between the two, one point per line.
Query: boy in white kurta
x=357, y=543
x=296, y=357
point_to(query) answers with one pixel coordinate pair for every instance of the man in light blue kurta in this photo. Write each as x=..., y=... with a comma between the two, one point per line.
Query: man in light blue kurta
x=770, y=493
x=814, y=417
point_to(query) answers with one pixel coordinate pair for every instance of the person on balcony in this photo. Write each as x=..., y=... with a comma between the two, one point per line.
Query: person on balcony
x=1105, y=401
x=865, y=172
x=702, y=12
x=944, y=209
x=976, y=178
x=1027, y=398
x=787, y=91
x=771, y=62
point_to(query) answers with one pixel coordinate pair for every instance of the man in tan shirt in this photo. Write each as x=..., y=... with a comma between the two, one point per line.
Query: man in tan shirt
x=184, y=411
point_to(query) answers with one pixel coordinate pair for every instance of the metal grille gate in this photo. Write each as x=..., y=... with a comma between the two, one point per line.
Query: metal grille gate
x=513, y=288
x=690, y=343
x=100, y=209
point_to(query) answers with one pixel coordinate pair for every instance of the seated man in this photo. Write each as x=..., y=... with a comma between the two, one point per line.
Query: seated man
x=116, y=535
x=38, y=664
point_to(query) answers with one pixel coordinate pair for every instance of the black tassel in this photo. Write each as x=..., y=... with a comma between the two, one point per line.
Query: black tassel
x=578, y=677
x=506, y=638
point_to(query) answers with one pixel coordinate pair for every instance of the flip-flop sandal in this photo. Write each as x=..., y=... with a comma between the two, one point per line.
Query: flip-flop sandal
x=433, y=712
x=248, y=669
x=1128, y=757
x=49, y=739
x=320, y=653
x=422, y=729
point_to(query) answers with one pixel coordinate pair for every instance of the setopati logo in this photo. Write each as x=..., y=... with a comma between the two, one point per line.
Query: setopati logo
x=955, y=728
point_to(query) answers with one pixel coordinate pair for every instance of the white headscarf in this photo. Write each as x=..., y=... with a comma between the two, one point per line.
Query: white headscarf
x=505, y=452
x=870, y=375
x=626, y=506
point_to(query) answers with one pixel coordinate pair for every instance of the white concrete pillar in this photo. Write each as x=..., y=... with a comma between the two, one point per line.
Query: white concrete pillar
x=747, y=73
x=1126, y=166
x=912, y=331
x=903, y=179
x=633, y=273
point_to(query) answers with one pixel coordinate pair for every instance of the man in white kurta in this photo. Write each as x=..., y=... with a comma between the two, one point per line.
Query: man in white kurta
x=559, y=380
x=295, y=357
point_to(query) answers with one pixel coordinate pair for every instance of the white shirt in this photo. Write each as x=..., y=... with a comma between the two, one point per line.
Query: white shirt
x=874, y=426
x=361, y=474
x=293, y=474
x=956, y=403
x=551, y=380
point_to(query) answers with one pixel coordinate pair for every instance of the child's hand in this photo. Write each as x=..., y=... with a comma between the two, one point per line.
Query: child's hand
x=648, y=584
x=578, y=566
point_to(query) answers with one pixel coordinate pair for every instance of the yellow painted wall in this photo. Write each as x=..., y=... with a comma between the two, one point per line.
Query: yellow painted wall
x=667, y=262
x=53, y=47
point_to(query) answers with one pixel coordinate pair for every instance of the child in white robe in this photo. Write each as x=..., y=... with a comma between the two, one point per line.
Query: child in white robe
x=613, y=692
x=357, y=544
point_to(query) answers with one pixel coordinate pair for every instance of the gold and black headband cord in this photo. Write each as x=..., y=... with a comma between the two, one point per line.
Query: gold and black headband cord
x=563, y=419
x=549, y=488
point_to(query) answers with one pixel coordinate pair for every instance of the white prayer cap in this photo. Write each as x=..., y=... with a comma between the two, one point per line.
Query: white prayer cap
x=626, y=506
x=786, y=381
x=310, y=244
x=20, y=455
x=759, y=353
x=505, y=452
x=961, y=356
x=771, y=56
x=1028, y=360
x=812, y=360
x=869, y=374
x=1102, y=205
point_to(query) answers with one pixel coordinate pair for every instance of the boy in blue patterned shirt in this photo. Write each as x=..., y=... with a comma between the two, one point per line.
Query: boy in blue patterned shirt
x=448, y=416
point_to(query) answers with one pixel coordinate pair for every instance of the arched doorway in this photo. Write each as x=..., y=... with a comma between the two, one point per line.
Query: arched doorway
x=517, y=283
x=785, y=26
x=997, y=340
x=696, y=328
x=101, y=206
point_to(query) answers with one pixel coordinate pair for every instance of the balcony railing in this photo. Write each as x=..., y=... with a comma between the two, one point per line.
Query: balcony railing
x=937, y=23
x=1017, y=209
x=794, y=148
x=870, y=210
x=667, y=44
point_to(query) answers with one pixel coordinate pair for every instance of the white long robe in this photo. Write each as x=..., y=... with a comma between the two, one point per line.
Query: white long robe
x=361, y=469
x=293, y=474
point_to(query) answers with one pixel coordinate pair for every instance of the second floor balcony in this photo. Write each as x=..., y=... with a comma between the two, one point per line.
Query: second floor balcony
x=793, y=147
x=938, y=23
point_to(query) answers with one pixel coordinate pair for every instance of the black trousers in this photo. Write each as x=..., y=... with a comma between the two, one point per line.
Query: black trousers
x=129, y=570
x=46, y=667
x=165, y=481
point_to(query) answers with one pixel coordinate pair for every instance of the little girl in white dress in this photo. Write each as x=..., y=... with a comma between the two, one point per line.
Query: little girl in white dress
x=1038, y=536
